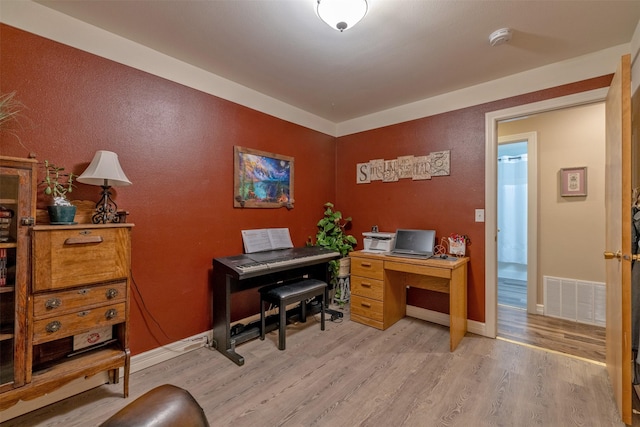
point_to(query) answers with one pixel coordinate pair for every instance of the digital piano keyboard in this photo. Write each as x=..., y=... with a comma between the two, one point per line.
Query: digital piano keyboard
x=245, y=271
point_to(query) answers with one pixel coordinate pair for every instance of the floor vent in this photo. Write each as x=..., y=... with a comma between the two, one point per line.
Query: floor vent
x=575, y=300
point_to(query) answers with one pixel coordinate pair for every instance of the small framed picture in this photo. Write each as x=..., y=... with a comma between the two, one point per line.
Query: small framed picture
x=573, y=181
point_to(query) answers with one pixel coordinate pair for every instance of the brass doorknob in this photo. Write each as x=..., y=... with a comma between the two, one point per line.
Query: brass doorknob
x=611, y=255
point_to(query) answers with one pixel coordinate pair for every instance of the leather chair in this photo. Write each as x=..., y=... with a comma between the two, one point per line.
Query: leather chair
x=164, y=406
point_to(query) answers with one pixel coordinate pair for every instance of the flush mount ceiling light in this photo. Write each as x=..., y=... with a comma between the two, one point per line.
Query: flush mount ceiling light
x=341, y=14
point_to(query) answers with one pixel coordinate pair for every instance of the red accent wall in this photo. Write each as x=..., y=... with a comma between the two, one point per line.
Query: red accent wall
x=444, y=203
x=176, y=145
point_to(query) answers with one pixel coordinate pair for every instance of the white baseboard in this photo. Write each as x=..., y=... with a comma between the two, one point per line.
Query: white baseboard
x=169, y=351
x=473, y=326
x=80, y=385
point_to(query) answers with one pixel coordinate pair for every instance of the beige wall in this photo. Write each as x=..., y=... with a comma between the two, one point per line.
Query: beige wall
x=571, y=230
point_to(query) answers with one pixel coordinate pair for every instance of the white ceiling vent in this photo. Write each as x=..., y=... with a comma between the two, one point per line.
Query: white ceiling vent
x=500, y=36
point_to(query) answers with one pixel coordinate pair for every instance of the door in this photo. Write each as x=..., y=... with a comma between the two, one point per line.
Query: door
x=618, y=236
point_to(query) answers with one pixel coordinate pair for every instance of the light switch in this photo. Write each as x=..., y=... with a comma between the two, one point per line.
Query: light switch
x=479, y=215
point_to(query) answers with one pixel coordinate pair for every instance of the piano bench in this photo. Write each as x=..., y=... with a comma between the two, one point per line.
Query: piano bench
x=289, y=294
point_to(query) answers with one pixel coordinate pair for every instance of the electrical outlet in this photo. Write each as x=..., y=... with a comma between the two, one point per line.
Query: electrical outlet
x=479, y=215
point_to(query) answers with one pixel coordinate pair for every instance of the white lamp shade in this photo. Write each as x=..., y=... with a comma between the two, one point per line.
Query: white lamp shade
x=341, y=14
x=104, y=169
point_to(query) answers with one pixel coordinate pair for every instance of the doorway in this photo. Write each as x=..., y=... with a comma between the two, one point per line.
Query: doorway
x=491, y=164
x=569, y=135
x=517, y=220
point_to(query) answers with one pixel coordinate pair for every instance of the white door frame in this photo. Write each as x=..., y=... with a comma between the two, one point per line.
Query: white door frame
x=491, y=181
x=532, y=214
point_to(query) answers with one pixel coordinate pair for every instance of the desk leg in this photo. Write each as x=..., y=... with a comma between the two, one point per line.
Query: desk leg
x=222, y=318
x=457, y=306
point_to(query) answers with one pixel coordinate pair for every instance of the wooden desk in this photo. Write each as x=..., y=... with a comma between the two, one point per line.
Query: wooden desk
x=379, y=283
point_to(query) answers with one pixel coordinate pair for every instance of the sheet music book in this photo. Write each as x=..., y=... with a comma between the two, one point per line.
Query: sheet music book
x=266, y=239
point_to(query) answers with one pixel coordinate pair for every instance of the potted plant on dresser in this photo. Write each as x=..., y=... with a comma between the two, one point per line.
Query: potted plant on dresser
x=57, y=184
x=331, y=235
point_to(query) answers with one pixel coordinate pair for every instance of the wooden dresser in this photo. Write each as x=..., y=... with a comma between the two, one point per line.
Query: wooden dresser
x=77, y=307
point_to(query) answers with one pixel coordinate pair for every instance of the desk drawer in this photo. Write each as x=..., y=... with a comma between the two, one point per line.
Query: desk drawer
x=367, y=307
x=366, y=321
x=55, y=303
x=366, y=287
x=66, y=325
x=371, y=268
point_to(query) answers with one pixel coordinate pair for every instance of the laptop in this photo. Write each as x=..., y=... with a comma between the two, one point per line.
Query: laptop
x=414, y=243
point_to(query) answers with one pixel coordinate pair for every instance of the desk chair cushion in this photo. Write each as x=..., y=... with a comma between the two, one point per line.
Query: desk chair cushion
x=287, y=294
x=164, y=406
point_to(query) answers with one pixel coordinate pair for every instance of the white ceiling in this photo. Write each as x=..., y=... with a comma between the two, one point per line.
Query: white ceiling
x=402, y=51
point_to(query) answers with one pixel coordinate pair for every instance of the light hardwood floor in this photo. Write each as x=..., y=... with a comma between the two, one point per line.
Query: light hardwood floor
x=354, y=375
x=565, y=336
x=512, y=292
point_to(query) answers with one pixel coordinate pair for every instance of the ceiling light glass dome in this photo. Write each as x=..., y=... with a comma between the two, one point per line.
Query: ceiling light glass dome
x=341, y=14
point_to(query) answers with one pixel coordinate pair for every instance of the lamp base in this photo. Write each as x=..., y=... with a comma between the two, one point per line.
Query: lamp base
x=106, y=208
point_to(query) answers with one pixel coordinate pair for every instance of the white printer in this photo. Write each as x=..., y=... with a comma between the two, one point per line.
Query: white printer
x=378, y=241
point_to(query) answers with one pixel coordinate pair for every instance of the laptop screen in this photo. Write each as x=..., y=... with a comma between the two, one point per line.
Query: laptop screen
x=415, y=241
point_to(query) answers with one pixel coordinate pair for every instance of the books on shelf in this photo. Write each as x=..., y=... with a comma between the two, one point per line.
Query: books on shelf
x=266, y=239
x=5, y=224
x=3, y=266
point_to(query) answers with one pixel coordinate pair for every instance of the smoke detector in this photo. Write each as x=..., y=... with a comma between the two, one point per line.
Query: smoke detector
x=501, y=36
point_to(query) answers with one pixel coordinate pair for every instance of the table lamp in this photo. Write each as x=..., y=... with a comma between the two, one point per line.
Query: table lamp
x=105, y=171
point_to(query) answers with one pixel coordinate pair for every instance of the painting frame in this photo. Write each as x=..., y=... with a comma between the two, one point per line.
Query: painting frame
x=573, y=182
x=250, y=190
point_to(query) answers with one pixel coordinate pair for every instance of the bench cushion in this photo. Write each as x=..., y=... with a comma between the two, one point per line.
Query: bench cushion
x=296, y=290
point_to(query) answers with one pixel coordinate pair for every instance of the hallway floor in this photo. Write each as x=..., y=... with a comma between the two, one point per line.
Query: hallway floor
x=512, y=292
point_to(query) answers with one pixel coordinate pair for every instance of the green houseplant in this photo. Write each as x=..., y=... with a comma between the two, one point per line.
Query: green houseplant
x=57, y=184
x=332, y=235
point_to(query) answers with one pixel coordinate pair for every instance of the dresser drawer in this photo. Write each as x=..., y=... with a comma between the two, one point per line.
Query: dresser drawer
x=371, y=268
x=366, y=307
x=366, y=287
x=66, y=325
x=56, y=303
x=77, y=256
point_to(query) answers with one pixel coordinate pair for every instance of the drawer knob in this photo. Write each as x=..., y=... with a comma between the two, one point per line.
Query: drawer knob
x=365, y=304
x=365, y=285
x=53, y=326
x=111, y=313
x=52, y=303
x=112, y=293
x=365, y=264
